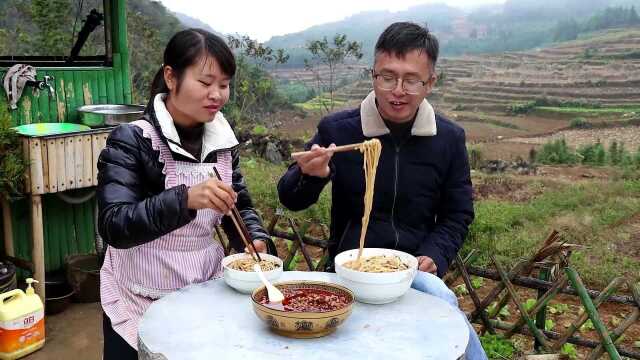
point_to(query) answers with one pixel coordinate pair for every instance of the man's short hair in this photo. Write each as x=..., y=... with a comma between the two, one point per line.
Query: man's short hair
x=402, y=37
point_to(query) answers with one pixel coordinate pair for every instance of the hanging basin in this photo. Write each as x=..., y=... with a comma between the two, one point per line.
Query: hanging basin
x=109, y=114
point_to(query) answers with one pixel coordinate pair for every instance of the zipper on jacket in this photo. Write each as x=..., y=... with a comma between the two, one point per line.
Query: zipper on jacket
x=342, y=237
x=395, y=194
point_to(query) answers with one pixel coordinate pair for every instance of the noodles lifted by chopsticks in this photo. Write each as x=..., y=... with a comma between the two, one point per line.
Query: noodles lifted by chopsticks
x=371, y=150
x=377, y=264
x=246, y=264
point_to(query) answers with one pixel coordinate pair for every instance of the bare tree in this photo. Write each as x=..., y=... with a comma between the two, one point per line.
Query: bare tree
x=333, y=55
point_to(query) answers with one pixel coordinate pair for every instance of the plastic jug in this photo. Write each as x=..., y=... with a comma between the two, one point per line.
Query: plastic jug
x=21, y=323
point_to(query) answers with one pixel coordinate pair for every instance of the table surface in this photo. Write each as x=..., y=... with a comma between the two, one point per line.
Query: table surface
x=211, y=320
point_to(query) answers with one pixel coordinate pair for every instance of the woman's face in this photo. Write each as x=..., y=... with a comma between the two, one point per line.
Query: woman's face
x=204, y=89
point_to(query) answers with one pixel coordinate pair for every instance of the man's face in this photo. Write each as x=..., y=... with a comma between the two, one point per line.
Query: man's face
x=396, y=105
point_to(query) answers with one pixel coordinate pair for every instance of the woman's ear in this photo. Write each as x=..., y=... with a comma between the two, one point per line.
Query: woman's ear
x=169, y=77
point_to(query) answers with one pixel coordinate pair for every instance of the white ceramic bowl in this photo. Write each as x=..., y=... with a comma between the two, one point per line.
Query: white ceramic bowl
x=247, y=281
x=376, y=288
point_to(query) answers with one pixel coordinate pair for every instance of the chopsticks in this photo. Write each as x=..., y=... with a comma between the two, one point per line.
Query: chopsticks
x=336, y=149
x=241, y=228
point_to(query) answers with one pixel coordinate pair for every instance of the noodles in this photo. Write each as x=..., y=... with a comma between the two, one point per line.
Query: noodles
x=371, y=150
x=377, y=264
x=246, y=264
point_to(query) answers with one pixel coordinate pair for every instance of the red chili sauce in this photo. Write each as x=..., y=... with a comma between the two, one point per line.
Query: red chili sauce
x=308, y=300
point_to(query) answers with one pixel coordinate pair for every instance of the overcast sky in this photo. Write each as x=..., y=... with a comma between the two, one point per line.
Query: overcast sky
x=262, y=19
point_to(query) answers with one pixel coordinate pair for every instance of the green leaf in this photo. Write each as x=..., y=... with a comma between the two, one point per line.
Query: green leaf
x=569, y=350
x=549, y=324
x=587, y=326
x=477, y=282
x=615, y=321
x=529, y=304
x=504, y=312
x=460, y=290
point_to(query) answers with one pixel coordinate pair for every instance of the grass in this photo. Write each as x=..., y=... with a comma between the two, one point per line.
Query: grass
x=262, y=178
x=499, y=123
x=586, y=214
x=318, y=103
x=590, y=111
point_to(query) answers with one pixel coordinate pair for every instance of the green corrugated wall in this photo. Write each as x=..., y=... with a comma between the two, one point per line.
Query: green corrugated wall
x=69, y=229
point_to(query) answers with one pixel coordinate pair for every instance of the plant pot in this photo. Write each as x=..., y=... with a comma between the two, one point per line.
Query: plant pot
x=58, y=294
x=83, y=274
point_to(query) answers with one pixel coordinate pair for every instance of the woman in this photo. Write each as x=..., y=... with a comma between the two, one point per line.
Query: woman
x=157, y=198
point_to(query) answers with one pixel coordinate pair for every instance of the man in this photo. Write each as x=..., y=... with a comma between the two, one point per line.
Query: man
x=422, y=200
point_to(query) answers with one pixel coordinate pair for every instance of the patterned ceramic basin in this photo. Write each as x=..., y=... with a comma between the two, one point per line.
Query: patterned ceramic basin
x=308, y=324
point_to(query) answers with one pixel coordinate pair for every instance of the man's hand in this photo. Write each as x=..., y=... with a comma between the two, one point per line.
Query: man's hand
x=426, y=264
x=260, y=246
x=316, y=162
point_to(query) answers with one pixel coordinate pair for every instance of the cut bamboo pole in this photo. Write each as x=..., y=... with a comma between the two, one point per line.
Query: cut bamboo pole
x=35, y=165
x=52, y=161
x=593, y=313
x=602, y=297
x=630, y=320
x=544, y=300
x=514, y=295
x=473, y=294
x=37, y=249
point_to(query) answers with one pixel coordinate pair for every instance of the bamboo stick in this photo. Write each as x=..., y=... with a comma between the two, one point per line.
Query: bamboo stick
x=537, y=284
x=37, y=249
x=503, y=325
x=512, y=291
x=582, y=318
x=544, y=300
x=593, y=313
x=472, y=293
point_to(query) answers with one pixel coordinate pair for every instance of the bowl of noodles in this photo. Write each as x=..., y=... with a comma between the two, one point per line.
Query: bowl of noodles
x=381, y=276
x=238, y=271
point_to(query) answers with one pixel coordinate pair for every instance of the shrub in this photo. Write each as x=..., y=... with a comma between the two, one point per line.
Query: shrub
x=521, y=108
x=579, y=123
x=557, y=152
x=12, y=162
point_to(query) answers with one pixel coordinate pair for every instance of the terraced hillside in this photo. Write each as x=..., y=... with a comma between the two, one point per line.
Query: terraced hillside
x=504, y=97
x=346, y=74
x=512, y=102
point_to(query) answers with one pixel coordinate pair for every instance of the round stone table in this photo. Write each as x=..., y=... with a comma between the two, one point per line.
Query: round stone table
x=213, y=321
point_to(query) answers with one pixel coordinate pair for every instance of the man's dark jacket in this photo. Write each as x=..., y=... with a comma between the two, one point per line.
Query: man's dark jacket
x=423, y=196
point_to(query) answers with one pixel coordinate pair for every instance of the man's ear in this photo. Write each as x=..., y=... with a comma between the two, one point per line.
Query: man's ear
x=432, y=82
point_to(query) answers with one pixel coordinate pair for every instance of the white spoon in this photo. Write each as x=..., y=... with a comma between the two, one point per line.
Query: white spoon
x=275, y=295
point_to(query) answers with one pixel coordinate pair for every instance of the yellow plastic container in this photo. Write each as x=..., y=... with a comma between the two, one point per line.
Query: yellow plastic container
x=21, y=323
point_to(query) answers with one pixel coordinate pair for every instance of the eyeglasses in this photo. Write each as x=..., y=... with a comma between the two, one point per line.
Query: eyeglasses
x=389, y=82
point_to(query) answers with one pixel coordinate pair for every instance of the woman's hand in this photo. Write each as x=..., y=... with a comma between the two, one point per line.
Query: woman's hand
x=212, y=194
x=260, y=246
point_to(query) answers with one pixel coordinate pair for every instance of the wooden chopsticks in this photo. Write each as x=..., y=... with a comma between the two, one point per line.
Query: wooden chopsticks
x=341, y=148
x=241, y=228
